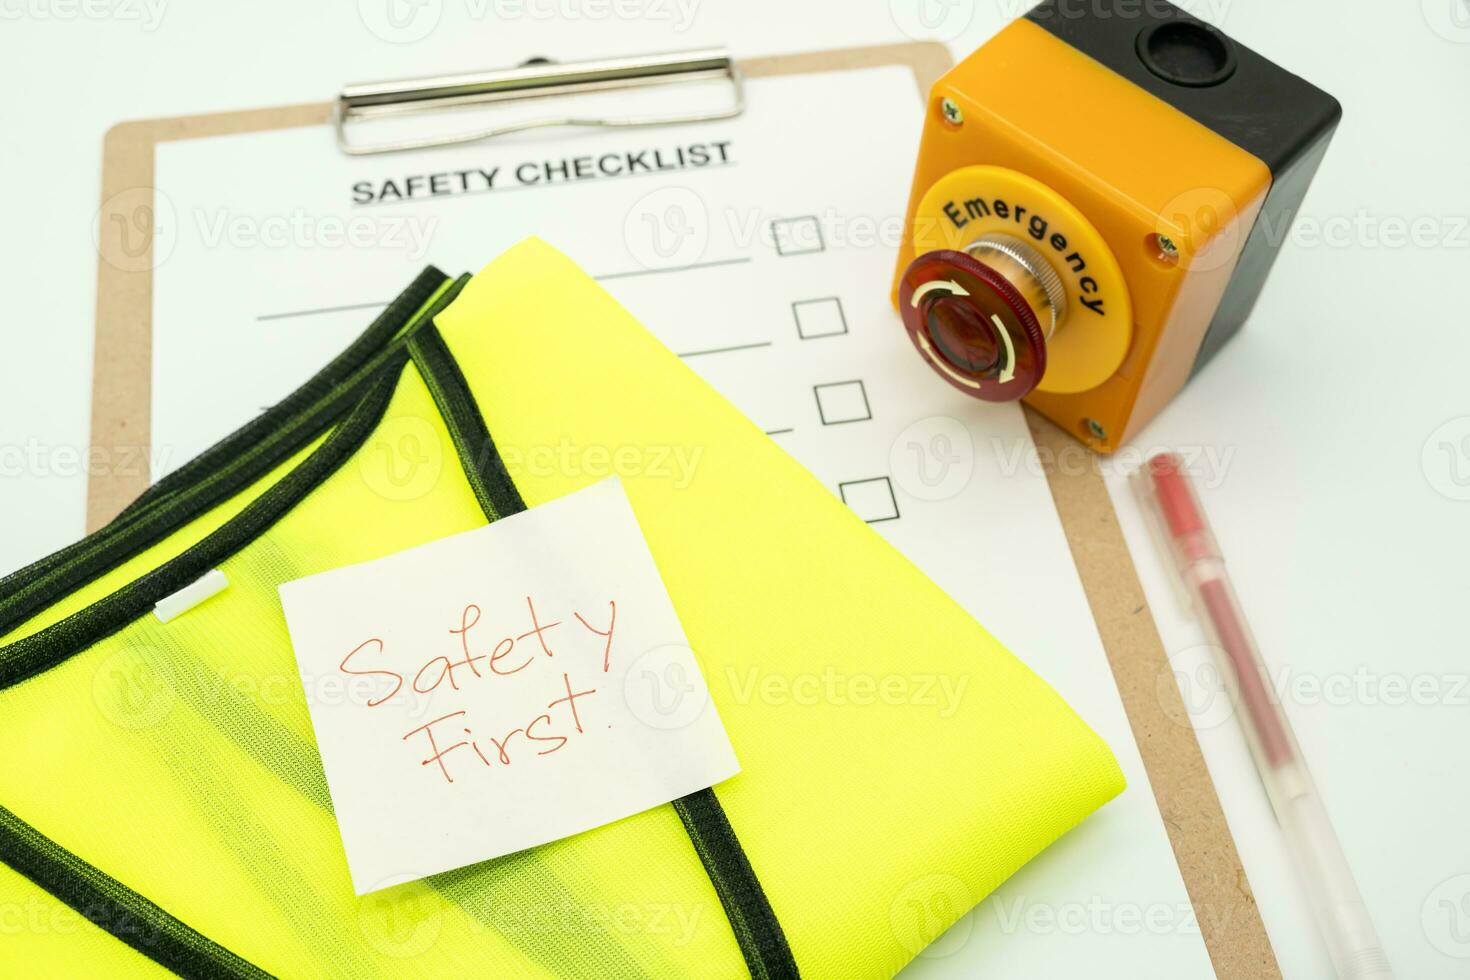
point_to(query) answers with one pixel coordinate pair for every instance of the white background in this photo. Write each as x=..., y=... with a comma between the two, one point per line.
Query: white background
x=1343, y=409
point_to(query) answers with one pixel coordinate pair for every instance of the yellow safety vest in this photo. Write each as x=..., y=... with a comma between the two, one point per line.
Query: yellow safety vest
x=161, y=785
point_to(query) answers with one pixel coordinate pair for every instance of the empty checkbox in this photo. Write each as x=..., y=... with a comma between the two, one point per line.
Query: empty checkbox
x=842, y=401
x=797, y=236
x=819, y=317
x=871, y=499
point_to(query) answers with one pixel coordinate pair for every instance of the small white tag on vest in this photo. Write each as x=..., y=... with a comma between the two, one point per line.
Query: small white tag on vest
x=172, y=606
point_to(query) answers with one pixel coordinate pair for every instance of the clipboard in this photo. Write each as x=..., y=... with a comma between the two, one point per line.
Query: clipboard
x=1209, y=863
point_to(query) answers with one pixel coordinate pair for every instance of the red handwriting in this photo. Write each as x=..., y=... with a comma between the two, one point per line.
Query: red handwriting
x=538, y=630
x=502, y=743
x=571, y=701
x=473, y=658
x=465, y=622
x=509, y=655
x=612, y=621
x=397, y=678
x=438, y=754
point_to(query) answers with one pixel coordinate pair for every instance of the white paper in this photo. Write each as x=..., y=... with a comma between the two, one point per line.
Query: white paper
x=497, y=694
x=723, y=265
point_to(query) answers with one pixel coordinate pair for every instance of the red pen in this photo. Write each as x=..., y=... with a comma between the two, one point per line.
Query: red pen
x=1168, y=496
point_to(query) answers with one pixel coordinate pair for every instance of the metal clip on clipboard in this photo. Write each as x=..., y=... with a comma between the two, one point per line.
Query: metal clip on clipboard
x=372, y=100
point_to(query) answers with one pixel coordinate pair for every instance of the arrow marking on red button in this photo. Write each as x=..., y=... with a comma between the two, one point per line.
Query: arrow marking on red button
x=1009, y=371
x=949, y=285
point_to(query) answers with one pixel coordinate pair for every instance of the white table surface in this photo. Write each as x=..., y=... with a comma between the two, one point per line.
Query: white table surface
x=1341, y=415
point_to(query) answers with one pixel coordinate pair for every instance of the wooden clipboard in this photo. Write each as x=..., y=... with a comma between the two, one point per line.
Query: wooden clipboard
x=1203, y=847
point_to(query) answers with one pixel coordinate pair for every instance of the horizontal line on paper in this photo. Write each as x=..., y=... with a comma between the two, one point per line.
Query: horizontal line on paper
x=726, y=350
x=322, y=309
x=672, y=268
x=612, y=275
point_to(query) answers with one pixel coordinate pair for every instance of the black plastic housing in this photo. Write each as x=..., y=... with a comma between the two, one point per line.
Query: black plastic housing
x=1281, y=119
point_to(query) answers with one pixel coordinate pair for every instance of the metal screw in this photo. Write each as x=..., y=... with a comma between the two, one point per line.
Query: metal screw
x=1095, y=429
x=952, y=113
x=1167, y=246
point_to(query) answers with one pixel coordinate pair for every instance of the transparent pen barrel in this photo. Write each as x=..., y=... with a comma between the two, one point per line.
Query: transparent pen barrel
x=1332, y=891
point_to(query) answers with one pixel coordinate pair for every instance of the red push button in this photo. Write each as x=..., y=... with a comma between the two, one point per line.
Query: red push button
x=972, y=325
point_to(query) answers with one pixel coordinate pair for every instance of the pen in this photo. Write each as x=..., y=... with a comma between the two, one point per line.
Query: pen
x=1168, y=496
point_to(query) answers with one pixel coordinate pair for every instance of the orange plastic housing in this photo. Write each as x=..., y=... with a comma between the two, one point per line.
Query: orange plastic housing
x=1138, y=169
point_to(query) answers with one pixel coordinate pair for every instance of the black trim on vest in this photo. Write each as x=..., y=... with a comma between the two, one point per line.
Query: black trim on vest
x=761, y=939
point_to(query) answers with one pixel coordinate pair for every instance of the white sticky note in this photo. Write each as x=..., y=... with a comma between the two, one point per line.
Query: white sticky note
x=493, y=689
